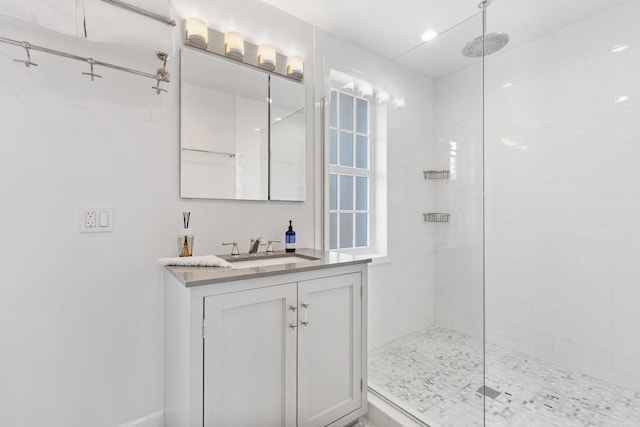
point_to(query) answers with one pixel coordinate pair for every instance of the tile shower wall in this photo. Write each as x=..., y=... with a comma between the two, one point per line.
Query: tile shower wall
x=401, y=292
x=401, y=287
x=458, y=244
x=563, y=196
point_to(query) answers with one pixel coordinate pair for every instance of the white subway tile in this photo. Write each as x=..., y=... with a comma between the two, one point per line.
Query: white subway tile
x=562, y=360
x=610, y=375
x=584, y=353
x=562, y=197
x=627, y=365
x=508, y=343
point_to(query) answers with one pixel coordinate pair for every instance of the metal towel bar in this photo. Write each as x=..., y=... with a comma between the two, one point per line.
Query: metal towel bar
x=141, y=11
x=161, y=76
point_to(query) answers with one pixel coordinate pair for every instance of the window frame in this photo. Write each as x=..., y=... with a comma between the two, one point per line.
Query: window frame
x=354, y=171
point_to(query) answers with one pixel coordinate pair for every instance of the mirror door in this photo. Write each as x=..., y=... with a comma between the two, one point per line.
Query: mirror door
x=234, y=143
x=288, y=135
x=224, y=129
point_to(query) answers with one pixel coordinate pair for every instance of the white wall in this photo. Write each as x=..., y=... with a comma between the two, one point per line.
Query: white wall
x=81, y=314
x=563, y=197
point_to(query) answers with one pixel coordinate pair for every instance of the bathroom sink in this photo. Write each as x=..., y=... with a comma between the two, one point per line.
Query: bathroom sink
x=267, y=261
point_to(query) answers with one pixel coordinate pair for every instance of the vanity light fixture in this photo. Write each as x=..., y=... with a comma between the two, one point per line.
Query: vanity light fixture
x=234, y=45
x=295, y=67
x=267, y=57
x=197, y=32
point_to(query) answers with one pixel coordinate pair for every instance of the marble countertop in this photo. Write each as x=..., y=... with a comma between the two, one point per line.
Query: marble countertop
x=198, y=276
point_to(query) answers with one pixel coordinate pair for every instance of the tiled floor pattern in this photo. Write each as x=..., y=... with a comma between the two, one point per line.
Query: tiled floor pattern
x=437, y=373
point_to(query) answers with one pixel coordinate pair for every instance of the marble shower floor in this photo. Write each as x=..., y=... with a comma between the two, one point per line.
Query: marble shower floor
x=437, y=372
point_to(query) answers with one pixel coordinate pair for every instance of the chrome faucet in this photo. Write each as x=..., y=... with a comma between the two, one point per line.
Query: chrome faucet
x=270, y=246
x=234, y=251
x=255, y=245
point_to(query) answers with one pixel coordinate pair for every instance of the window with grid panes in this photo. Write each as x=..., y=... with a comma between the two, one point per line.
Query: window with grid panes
x=350, y=171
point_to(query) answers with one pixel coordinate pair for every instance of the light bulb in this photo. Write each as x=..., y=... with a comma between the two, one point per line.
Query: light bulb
x=295, y=67
x=267, y=57
x=234, y=45
x=197, y=33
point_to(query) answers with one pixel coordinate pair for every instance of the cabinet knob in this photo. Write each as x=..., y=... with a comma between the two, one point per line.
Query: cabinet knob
x=293, y=326
x=293, y=308
x=305, y=305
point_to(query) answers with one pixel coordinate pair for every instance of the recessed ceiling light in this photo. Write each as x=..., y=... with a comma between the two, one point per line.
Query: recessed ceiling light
x=429, y=35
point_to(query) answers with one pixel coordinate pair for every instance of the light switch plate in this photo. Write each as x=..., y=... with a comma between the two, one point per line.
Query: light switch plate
x=96, y=220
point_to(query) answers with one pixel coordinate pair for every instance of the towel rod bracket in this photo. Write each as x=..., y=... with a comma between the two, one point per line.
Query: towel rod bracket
x=27, y=62
x=91, y=74
x=162, y=75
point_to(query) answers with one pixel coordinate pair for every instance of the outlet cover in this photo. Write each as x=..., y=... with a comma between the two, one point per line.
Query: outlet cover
x=96, y=220
x=90, y=219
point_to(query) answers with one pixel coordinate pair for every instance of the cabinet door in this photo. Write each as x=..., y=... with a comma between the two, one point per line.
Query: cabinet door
x=329, y=349
x=250, y=358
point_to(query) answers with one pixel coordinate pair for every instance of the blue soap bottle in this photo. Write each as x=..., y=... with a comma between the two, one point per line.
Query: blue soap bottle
x=290, y=239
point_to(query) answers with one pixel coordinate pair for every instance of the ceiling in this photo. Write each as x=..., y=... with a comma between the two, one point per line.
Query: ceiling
x=392, y=28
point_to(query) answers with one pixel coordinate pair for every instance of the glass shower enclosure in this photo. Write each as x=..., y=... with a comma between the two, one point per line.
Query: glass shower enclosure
x=434, y=368
x=535, y=303
x=512, y=204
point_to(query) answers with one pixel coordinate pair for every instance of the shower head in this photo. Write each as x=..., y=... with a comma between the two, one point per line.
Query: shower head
x=493, y=42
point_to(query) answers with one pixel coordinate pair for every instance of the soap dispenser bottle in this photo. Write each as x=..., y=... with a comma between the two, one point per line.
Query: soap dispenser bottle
x=290, y=239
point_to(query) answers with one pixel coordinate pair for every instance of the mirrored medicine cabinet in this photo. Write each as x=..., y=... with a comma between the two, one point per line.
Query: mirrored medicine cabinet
x=235, y=144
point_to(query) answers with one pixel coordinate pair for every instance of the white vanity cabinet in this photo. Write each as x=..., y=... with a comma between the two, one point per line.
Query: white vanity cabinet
x=250, y=358
x=279, y=351
x=330, y=381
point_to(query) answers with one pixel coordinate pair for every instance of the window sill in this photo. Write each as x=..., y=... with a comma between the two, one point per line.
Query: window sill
x=376, y=258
